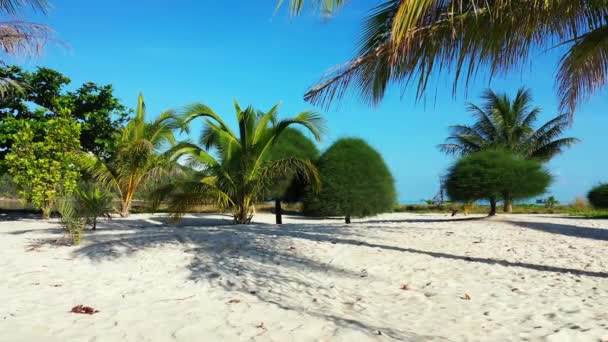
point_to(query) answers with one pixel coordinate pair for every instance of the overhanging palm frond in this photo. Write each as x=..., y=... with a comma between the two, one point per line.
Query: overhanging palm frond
x=12, y=7
x=583, y=69
x=327, y=7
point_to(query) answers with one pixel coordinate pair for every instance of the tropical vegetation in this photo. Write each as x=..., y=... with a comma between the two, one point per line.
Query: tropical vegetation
x=493, y=175
x=598, y=196
x=92, y=202
x=510, y=124
x=290, y=188
x=138, y=158
x=44, y=169
x=408, y=42
x=355, y=182
x=234, y=170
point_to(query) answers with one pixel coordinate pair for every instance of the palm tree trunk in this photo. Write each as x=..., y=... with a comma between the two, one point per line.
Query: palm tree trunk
x=508, y=203
x=347, y=219
x=492, y=207
x=94, y=223
x=125, y=206
x=278, y=211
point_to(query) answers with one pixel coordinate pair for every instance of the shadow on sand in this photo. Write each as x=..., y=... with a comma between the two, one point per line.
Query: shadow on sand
x=258, y=258
x=565, y=229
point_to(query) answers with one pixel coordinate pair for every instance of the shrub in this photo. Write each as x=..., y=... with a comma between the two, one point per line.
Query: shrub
x=355, y=182
x=93, y=203
x=71, y=220
x=580, y=203
x=495, y=174
x=598, y=196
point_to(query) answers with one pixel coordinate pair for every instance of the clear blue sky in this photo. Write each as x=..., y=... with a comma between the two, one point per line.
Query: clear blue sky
x=178, y=52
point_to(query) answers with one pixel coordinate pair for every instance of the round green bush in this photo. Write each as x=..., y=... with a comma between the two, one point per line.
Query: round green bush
x=496, y=174
x=598, y=196
x=355, y=181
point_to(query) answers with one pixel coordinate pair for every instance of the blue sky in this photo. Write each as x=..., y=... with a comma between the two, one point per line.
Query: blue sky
x=179, y=52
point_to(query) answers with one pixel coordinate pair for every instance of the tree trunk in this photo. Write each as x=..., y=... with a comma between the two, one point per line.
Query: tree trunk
x=508, y=204
x=278, y=211
x=125, y=206
x=492, y=207
x=347, y=219
x=94, y=223
x=242, y=215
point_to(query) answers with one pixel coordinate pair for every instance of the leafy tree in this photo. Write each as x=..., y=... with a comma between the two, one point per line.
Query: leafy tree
x=355, y=182
x=138, y=158
x=43, y=97
x=494, y=174
x=44, y=168
x=291, y=144
x=406, y=42
x=509, y=124
x=8, y=188
x=550, y=202
x=243, y=170
x=598, y=196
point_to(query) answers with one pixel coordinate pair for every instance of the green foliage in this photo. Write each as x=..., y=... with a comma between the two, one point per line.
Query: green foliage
x=43, y=168
x=550, y=202
x=598, y=196
x=494, y=174
x=8, y=188
x=93, y=203
x=43, y=97
x=138, y=158
x=355, y=181
x=243, y=170
x=291, y=144
x=71, y=220
x=507, y=123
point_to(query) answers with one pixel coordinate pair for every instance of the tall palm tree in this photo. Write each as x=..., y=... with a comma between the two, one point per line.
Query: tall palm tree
x=19, y=38
x=139, y=158
x=507, y=123
x=236, y=169
x=405, y=42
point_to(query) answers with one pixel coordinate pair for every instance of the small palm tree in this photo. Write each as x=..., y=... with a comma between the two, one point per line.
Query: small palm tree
x=138, y=157
x=507, y=123
x=93, y=203
x=243, y=171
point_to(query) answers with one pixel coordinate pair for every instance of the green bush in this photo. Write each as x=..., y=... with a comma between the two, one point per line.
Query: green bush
x=355, y=182
x=598, y=196
x=495, y=174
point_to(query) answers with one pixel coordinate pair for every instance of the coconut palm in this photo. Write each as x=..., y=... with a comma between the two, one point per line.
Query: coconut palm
x=19, y=38
x=236, y=169
x=91, y=202
x=509, y=124
x=138, y=157
x=405, y=42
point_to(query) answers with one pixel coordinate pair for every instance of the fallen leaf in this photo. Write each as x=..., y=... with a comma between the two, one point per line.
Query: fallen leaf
x=405, y=287
x=466, y=297
x=261, y=326
x=81, y=309
x=234, y=301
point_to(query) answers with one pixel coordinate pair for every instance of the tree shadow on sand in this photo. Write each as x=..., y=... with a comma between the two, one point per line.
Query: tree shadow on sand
x=565, y=229
x=258, y=260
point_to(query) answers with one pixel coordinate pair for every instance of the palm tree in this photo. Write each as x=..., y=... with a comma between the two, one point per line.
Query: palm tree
x=92, y=203
x=242, y=170
x=509, y=124
x=19, y=38
x=405, y=42
x=138, y=157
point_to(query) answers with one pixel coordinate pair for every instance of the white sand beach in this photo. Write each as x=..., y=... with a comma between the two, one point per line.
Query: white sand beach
x=395, y=277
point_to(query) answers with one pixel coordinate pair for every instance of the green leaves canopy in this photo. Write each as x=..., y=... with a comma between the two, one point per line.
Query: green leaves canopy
x=45, y=168
x=598, y=196
x=493, y=173
x=355, y=182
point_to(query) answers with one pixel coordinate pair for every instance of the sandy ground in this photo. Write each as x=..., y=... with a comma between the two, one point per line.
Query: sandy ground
x=396, y=277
